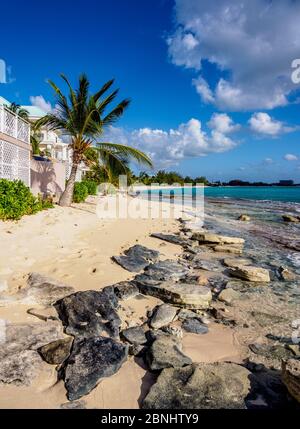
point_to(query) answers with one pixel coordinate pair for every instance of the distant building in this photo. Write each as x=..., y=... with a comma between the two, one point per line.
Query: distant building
x=286, y=183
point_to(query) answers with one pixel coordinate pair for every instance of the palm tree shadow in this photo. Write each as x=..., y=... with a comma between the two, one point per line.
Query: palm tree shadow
x=44, y=178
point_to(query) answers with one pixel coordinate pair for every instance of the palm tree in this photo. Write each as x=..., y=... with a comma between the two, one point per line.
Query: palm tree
x=18, y=110
x=84, y=117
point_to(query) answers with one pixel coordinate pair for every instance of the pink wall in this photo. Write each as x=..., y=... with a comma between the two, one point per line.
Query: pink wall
x=47, y=178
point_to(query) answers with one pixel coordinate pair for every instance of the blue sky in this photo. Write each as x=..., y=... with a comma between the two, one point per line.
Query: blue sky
x=209, y=81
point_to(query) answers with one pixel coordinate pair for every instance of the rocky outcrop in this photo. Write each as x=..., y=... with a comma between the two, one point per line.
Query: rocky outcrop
x=229, y=295
x=275, y=351
x=291, y=377
x=163, y=315
x=250, y=273
x=236, y=262
x=180, y=294
x=56, y=352
x=20, y=361
x=136, y=258
x=91, y=360
x=286, y=274
x=226, y=248
x=165, y=352
x=90, y=313
x=208, y=238
x=200, y=386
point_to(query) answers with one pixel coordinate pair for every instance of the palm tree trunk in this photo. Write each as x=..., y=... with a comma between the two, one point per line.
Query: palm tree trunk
x=66, y=198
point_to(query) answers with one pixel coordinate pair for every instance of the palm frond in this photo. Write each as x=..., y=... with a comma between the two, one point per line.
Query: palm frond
x=127, y=152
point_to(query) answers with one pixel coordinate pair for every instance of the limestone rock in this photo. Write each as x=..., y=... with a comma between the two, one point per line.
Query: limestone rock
x=90, y=313
x=134, y=335
x=136, y=258
x=228, y=295
x=200, y=386
x=286, y=274
x=251, y=274
x=236, y=262
x=223, y=248
x=91, y=360
x=208, y=238
x=165, y=352
x=290, y=218
x=244, y=218
x=56, y=352
x=184, y=295
x=20, y=361
x=40, y=289
x=291, y=377
x=163, y=315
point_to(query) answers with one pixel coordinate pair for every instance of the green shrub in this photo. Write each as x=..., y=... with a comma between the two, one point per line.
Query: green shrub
x=91, y=186
x=16, y=200
x=80, y=192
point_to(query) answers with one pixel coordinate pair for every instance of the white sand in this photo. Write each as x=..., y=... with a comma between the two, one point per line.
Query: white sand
x=75, y=246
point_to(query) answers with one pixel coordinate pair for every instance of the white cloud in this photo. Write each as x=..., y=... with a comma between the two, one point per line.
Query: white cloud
x=290, y=157
x=262, y=123
x=244, y=41
x=40, y=102
x=223, y=123
x=168, y=148
x=268, y=161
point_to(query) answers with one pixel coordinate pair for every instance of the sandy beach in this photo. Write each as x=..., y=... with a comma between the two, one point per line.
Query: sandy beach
x=74, y=246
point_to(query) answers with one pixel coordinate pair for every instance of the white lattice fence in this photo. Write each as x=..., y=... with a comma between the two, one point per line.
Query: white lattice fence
x=14, y=162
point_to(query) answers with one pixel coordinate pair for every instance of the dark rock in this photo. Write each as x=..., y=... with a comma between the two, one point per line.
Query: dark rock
x=166, y=270
x=125, y=290
x=163, y=315
x=206, y=265
x=136, y=258
x=165, y=352
x=271, y=351
x=200, y=386
x=91, y=360
x=89, y=313
x=194, y=326
x=56, y=352
x=290, y=218
x=170, y=238
x=134, y=335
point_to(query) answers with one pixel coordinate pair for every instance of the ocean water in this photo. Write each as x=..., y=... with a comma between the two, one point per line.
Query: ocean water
x=270, y=193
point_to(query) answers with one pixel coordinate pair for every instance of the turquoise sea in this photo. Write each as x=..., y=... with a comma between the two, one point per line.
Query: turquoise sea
x=271, y=193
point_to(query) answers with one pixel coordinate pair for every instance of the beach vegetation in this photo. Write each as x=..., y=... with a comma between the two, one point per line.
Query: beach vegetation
x=16, y=200
x=80, y=192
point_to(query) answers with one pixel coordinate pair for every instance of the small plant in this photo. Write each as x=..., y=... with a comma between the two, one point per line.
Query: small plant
x=16, y=200
x=80, y=192
x=91, y=186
